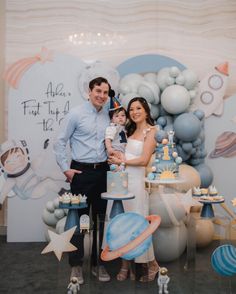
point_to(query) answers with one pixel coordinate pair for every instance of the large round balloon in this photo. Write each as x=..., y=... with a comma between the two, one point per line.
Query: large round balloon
x=169, y=242
x=187, y=127
x=168, y=207
x=190, y=177
x=124, y=228
x=204, y=232
x=206, y=174
x=223, y=260
x=175, y=99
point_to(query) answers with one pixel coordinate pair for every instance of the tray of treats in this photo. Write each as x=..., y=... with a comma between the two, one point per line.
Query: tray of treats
x=70, y=201
x=211, y=199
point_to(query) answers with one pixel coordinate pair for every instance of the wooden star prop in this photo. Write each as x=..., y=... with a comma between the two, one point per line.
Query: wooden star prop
x=187, y=200
x=233, y=201
x=60, y=243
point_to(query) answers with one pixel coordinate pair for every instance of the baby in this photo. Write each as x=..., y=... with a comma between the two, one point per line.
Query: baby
x=115, y=136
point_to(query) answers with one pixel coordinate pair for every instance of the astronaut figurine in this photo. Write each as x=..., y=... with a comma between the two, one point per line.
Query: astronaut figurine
x=73, y=287
x=163, y=280
x=171, y=137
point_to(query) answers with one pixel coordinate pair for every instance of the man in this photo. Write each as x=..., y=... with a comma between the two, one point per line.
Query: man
x=84, y=129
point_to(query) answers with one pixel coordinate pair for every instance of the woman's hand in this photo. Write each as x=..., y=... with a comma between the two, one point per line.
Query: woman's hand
x=114, y=160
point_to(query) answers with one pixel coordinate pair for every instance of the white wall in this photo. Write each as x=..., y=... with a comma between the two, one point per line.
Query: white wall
x=199, y=34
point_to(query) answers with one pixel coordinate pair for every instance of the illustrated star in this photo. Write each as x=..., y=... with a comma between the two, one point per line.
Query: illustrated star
x=60, y=243
x=187, y=200
x=45, y=55
x=233, y=201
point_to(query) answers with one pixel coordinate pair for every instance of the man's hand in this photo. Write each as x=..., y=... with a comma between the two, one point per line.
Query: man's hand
x=70, y=174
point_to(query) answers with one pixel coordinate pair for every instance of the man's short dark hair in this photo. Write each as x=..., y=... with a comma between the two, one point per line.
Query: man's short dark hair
x=97, y=82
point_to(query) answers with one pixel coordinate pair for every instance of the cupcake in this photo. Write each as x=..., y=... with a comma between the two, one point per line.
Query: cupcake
x=196, y=192
x=75, y=200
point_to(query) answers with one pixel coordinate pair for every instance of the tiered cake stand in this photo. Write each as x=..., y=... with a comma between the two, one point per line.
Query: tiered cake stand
x=117, y=206
x=72, y=218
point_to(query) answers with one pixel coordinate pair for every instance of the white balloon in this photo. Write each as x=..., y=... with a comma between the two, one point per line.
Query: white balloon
x=154, y=111
x=125, y=99
x=150, y=77
x=175, y=99
x=150, y=91
x=174, y=71
x=162, y=75
x=50, y=206
x=130, y=83
x=191, y=79
x=169, y=243
x=180, y=79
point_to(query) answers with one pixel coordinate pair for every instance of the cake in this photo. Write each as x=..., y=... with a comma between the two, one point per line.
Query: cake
x=117, y=183
x=166, y=162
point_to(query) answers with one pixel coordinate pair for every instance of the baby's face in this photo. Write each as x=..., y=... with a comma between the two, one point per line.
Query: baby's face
x=15, y=162
x=119, y=118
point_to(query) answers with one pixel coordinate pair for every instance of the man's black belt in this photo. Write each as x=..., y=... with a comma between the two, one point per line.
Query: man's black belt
x=90, y=166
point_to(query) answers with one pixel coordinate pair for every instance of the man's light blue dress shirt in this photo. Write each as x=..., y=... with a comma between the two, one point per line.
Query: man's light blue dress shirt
x=84, y=127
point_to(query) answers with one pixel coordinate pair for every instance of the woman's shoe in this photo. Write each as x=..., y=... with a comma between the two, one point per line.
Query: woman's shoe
x=152, y=270
x=124, y=273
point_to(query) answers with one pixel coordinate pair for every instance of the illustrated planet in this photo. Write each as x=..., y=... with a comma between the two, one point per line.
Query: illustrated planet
x=225, y=145
x=129, y=235
x=223, y=260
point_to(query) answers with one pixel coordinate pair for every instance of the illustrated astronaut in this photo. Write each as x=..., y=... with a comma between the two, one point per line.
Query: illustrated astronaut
x=163, y=280
x=21, y=174
x=73, y=287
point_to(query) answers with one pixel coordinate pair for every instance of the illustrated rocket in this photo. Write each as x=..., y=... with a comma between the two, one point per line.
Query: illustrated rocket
x=211, y=91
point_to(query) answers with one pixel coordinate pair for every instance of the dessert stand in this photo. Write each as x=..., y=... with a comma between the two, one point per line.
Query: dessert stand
x=117, y=206
x=207, y=209
x=72, y=218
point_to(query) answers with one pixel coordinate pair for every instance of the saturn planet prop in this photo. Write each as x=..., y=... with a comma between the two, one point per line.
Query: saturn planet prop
x=129, y=235
x=223, y=260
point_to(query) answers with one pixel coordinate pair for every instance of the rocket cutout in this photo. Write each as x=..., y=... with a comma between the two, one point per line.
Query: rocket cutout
x=211, y=91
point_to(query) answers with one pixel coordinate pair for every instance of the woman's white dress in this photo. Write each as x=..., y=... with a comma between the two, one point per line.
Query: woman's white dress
x=136, y=185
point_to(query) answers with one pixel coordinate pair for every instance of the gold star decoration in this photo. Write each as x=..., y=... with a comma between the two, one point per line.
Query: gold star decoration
x=60, y=243
x=233, y=201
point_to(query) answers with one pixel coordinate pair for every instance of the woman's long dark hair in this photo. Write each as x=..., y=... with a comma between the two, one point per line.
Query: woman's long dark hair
x=131, y=126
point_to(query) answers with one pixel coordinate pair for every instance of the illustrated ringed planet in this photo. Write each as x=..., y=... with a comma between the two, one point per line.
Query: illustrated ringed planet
x=108, y=255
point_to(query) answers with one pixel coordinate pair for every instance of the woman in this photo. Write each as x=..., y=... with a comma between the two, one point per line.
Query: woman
x=140, y=146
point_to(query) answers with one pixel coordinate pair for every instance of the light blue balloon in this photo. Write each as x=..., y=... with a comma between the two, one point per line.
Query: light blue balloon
x=187, y=127
x=185, y=156
x=160, y=135
x=124, y=228
x=197, y=142
x=151, y=176
x=205, y=173
x=187, y=147
x=199, y=114
x=162, y=121
x=113, y=167
x=178, y=160
x=168, y=128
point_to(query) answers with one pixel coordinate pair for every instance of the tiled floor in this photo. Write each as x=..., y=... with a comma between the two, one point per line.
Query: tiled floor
x=23, y=270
